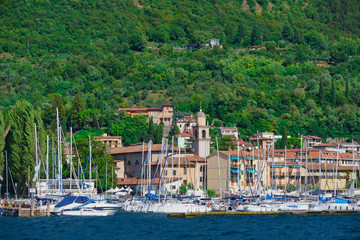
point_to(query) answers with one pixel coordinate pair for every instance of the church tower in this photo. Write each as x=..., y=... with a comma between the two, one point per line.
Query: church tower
x=201, y=136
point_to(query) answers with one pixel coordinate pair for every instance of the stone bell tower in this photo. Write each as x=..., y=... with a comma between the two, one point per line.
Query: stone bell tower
x=201, y=136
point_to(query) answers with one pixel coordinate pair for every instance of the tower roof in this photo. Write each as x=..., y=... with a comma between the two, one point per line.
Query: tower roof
x=200, y=114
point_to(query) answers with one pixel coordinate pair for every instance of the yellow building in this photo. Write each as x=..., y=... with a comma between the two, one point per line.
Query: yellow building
x=110, y=141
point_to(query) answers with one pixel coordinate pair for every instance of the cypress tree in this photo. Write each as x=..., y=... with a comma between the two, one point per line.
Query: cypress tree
x=20, y=142
x=284, y=138
x=77, y=107
x=255, y=35
x=347, y=88
x=333, y=93
x=159, y=133
x=321, y=91
x=288, y=32
x=151, y=130
x=101, y=105
x=241, y=32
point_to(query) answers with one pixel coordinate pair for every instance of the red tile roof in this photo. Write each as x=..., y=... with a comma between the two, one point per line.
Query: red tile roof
x=183, y=134
x=138, y=148
x=190, y=160
x=136, y=181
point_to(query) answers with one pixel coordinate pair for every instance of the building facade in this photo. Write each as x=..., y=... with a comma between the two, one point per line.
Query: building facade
x=162, y=114
x=110, y=141
x=201, y=136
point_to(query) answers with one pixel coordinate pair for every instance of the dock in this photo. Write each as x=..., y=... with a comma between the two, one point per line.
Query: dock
x=22, y=210
x=203, y=214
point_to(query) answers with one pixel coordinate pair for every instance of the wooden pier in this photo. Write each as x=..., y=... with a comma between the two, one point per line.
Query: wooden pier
x=22, y=210
x=199, y=214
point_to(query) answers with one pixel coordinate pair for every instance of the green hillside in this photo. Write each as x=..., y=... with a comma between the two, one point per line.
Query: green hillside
x=113, y=54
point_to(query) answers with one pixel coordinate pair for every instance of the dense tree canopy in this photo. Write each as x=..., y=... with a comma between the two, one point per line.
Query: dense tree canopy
x=88, y=58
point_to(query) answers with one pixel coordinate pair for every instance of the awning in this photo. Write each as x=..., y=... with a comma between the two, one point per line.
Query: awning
x=251, y=171
x=234, y=170
x=277, y=166
x=235, y=158
x=294, y=166
x=250, y=158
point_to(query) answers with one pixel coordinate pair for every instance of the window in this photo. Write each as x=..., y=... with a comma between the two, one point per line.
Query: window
x=173, y=187
x=137, y=162
x=195, y=134
x=201, y=179
x=165, y=172
x=129, y=163
x=203, y=134
x=174, y=172
x=185, y=170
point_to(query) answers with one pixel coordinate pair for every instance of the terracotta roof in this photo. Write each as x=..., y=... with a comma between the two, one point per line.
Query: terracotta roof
x=186, y=119
x=254, y=153
x=107, y=137
x=311, y=137
x=261, y=138
x=228, y=128
x=327, y=167
x=348, y=156
x=183, y=134
x=136, y=181
x=137, y=148
x=325, y=145
x=190, y=160
x=243, y=143
x=282, y=163
x=144, y=109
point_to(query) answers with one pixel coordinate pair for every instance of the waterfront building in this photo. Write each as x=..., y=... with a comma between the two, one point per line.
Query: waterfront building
x=129, y=160
x=201, y=136
x=110, y=141
x=311, y=141
x=187, y=167
x=158, y=114
x=224, y=169
x=186, y=123
x=183, y=140
x=229, y=132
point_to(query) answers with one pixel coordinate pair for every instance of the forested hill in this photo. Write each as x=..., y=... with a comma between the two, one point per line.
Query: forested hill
x=112, y=54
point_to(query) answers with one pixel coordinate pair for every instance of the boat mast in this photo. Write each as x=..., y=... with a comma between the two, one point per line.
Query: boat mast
x=285, y=171
x=179, y=169
x=59, y=149
x=205, y=174
x=306, y=166
x=301, y=147
x=217, y=149
x=36, y=154
x=172, y=163
x=238, y=172
x=47, y=164
x=353, y=155
x=90, y=169
x=7, y=177
x=272, y=169
x=71, y=157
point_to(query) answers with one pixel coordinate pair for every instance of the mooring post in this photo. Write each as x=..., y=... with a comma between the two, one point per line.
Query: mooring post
x=19, y=209
x=32, y=208
x=48, y=208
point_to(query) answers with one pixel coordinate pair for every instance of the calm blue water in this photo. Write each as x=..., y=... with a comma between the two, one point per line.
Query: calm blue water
x=155, y=226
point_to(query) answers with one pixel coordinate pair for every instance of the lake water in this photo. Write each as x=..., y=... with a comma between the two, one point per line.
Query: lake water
x=158, y=226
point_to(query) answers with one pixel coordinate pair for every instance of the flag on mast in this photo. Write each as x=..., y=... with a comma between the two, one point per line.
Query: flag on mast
x=37, y=168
